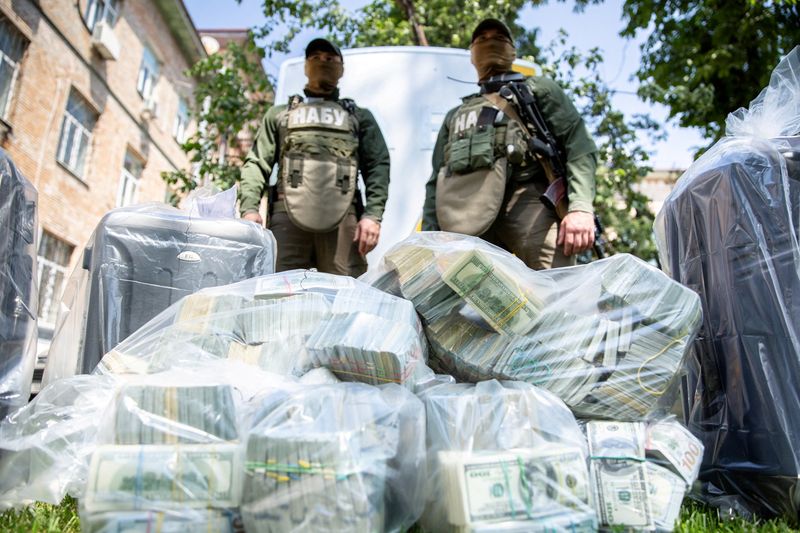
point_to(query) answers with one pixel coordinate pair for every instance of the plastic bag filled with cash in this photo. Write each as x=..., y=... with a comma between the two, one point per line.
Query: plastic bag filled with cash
x=139, y=261
x=287, y=323
x=61, y=442
x=608, y=338
x=346, y=457
x=729, y=230
x=504, y=456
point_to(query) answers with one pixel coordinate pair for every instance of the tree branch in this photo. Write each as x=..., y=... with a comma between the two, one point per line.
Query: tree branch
x=419, y=31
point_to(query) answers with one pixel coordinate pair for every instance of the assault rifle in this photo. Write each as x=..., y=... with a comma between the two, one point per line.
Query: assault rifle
x=544, y=146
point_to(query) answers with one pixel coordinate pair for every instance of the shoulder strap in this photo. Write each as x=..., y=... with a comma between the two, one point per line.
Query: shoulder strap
x=348, y=104
x=505, y=106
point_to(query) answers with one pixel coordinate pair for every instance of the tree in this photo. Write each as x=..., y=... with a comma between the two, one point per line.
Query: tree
x=706, y=58
x=229, y=99
x=450, y=24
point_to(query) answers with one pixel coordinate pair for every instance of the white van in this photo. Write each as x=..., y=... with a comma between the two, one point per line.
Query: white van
x=409, y=89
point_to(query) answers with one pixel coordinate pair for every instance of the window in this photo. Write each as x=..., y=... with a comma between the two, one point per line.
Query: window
x=99, y=10
x=129, y=182
x=12, y=46
x=181, y=121
x=76, y=133
x=54, y=255
x=148, y=74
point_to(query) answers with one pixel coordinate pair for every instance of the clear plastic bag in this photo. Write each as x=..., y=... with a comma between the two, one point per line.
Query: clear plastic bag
x=45, y=446
x=287, y=323
x=608, y=338
x=504, y=456
x=139, y=261
x=19, y=296
x=729, y=231
x=344, y=457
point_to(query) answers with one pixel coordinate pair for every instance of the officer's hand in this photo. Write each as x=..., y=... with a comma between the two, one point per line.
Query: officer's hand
x=367, y=233
x=576, y=232
x=254, y=217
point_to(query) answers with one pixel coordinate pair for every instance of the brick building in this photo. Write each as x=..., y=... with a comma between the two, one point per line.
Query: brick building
x=93, y=104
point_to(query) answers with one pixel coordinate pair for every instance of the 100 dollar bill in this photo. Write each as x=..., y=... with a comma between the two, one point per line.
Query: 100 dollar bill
x=163, y=477
x=495, y=295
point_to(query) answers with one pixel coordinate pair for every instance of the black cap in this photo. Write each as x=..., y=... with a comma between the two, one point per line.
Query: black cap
x=323, y=45
x=491, y=24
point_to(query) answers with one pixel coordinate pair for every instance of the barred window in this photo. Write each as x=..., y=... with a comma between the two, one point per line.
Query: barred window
x=12, y=47
x=76, y=133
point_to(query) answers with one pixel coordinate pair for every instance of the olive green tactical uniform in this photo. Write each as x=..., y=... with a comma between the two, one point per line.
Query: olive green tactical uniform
x=523, y=225
x=302, y=245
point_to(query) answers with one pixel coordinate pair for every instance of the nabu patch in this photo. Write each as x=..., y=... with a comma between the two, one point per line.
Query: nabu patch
x=318, y=116
x=465, y=120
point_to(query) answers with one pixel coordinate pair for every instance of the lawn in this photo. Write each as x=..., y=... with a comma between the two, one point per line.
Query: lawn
x=64, y=518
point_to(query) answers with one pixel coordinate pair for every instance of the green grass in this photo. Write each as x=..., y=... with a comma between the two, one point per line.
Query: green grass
x=42, y=518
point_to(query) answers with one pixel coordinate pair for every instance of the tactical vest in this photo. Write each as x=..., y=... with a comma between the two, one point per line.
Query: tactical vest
x=319, y=161
x=471, y=184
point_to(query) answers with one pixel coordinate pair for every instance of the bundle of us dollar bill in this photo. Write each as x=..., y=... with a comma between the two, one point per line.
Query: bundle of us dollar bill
x=518, y=485
x=608, y=338
x=330, y=457
x=163, y=477
x=155, y=414
x=287, y=323
x=640, y=473
x=183, y=521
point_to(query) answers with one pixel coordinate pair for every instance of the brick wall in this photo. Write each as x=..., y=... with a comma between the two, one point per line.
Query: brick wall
x=60, y=56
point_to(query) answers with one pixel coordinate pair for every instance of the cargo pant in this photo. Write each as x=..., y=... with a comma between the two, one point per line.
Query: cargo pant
x=528, y=229
x=333, y=252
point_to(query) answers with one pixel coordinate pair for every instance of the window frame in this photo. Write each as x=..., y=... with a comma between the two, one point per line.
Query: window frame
x=5, y=106
x=181, y=128
x=126, y=176
x=92, y=5
x=48, y=290
x=146, y=87
x=75, y=161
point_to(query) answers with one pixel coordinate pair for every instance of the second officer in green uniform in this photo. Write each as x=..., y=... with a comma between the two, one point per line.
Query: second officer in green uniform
x=320, y=144
x=485, y=180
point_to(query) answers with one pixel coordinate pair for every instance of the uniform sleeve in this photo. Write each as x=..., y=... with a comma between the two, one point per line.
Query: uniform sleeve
x=257, y=167
x=571, y=133
x=373, y=162
x=429, y=220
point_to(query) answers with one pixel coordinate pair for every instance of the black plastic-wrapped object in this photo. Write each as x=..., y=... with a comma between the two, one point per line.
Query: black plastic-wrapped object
x=18, y=282
x=729, y=231
x=138, y=262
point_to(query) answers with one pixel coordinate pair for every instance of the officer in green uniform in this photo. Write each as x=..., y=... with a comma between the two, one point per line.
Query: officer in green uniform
x=485, y=181
x=320, y=143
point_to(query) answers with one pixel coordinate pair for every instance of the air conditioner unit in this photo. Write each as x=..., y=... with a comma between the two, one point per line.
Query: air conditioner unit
x=150, y=110
x=105, y=41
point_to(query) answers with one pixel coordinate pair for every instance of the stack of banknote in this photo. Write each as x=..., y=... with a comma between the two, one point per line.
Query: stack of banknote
x=366, y=348
x=182, y=521
x=527, y=485
x=640, y=473
x=504, y=453
x=176, y=450
x=317, y=460
x=153, y=414
x=287, y=324
x=607, y=338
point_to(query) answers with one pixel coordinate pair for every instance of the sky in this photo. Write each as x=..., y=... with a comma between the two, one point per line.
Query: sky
x=597, y=26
